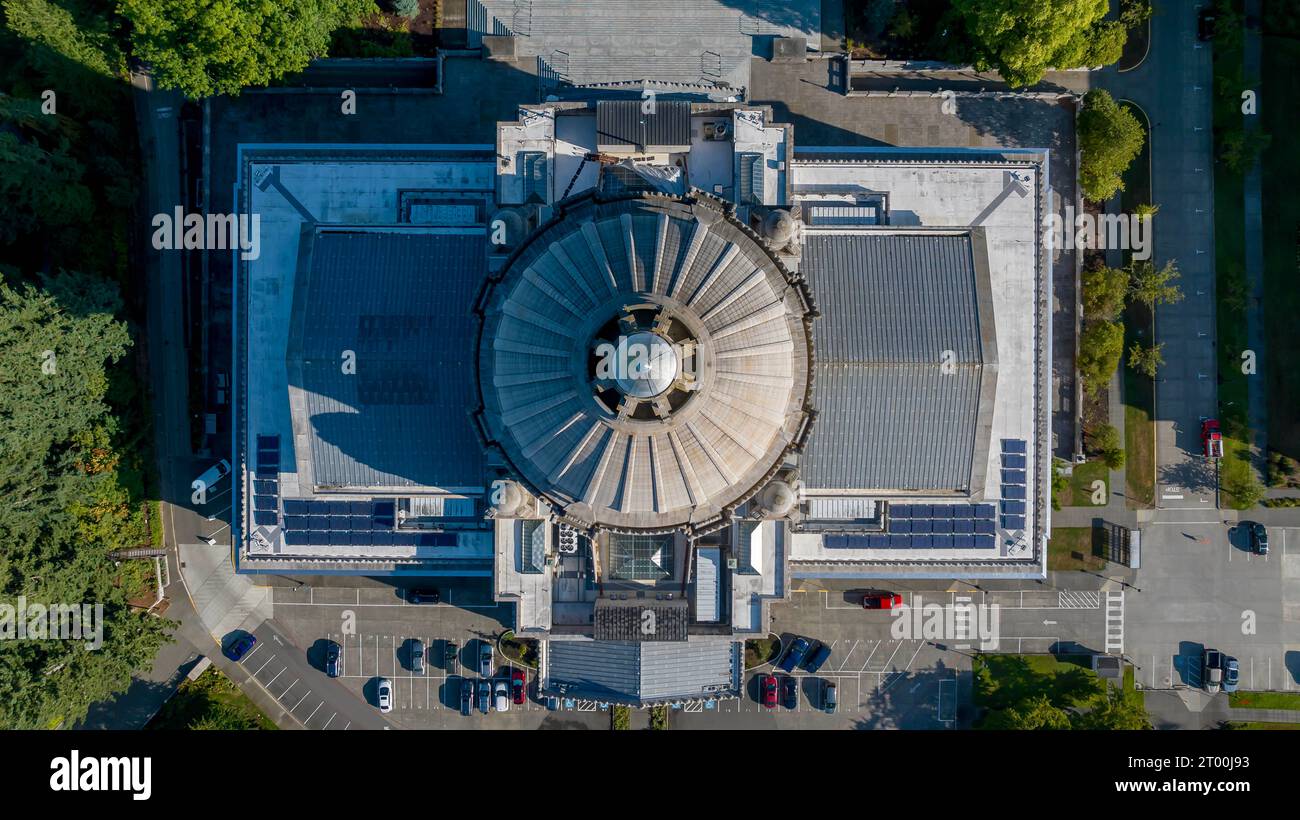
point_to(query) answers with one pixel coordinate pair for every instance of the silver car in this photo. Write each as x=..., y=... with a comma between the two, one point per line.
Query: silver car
x=485, y=658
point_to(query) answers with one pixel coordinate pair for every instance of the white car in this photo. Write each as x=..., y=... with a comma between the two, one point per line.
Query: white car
x=385, y=693
x=502, y=696
x=209, y=478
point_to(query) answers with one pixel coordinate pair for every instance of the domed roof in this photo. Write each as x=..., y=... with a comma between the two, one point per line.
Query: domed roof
x=644, y=363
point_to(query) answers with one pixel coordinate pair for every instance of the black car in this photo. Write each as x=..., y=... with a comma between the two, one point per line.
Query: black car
x=333, y=660
x=789, y=692
x=466, y=697
x=424, y=596
x=449, y=651
x=1258, y=537
x=1205, y=25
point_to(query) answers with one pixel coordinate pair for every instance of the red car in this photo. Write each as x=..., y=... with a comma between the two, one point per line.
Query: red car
x=1211, y=438
x=518, y=685
x=767, y=689
x=881, y=600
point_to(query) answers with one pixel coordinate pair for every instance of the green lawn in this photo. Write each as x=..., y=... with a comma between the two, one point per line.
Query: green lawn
x=1079, y=492
x=1264, y=727
x=1229, y=263
x=1074, y=548
x=1265, y=700
x=1139, y=392
x=1281, y=215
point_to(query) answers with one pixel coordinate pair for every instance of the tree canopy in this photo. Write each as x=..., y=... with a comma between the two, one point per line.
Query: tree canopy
x=65, y=505
x=1110, y=137
x=1023, y=39
x=205, y=47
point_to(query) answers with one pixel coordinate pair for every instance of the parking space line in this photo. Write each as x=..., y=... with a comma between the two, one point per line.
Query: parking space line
x=314, y=711
x=263, y=666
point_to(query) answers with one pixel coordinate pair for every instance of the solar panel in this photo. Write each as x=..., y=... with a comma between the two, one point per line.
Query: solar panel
x=1013, y=507
x=877, y=540
x=296, y=538
x=265, y=471
x=943, y=525
x=900, y=510
x=1017, y=462
x=265, y=502
x=985, y=525
x=381, y=538
x=985, y=542
x=1013, y=445
x=1013, y=476
x=963, y=542
x=899, y=542
x=941, y=511
x=295, y=506
x=268, y=442
x=963, y=525
x=266, y=518
x=900, y=525
x=942, y=542
x=1013, y=491
x=360, y=538
x=922, y=525
x=337, y=507
x=963, y=511
x=384, y=509
x=1013, y=522
x=922, y=542
x=985, y=511
x=360, y=507
x=267, y=487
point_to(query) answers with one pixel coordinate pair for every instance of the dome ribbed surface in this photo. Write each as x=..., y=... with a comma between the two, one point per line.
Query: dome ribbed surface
x=602, y=452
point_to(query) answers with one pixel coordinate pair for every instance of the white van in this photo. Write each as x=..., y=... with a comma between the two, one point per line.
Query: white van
x=213, y=474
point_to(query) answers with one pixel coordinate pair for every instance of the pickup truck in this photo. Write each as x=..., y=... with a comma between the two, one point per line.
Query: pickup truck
x=795, y=654
x=1212, y=670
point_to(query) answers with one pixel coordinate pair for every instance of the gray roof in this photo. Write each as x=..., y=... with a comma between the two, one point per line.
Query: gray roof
x=644, y=673
x=889, y=416
x=708, y=568
x=403, y=303
x=622, y=125
x=628, y=621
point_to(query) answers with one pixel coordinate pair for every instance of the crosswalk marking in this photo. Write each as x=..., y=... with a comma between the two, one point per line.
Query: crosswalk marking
x=1115, y=622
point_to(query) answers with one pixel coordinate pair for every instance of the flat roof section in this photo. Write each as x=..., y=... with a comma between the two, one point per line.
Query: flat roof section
x=583, y=42
x=396, y=306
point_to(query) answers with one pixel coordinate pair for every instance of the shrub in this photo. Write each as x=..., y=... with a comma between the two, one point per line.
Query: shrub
x=1105, y=441
x=409, y=9
x=1100, y=349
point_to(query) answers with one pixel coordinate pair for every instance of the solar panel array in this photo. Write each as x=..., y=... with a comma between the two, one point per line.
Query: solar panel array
x=266, y=482
x=352, y=523
x=1014, y=483
x=928, y=526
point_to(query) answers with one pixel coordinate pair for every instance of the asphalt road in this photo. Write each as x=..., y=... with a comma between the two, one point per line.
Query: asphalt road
x=1174, y=87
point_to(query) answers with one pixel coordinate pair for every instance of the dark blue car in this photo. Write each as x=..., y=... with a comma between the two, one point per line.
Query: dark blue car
x=817, y=658
x=795, y=655
x=240, y=647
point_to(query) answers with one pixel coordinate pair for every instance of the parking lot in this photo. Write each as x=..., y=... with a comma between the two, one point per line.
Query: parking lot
x=1203, y=587
x=376, y=629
